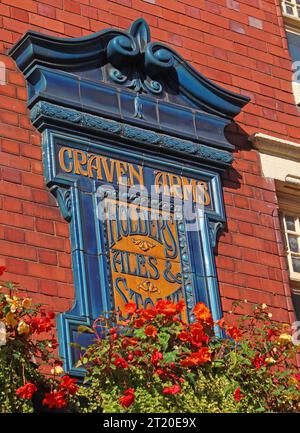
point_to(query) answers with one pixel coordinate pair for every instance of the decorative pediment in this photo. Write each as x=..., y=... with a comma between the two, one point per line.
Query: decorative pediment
x=124, y=76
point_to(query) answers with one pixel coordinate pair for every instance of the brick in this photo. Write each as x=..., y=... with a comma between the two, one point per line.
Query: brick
x=65, y=291
x=19, y=15
x=70, y=18
x=40, y=270
x=16, y=220
x=34, y=180
x=17, y=250
x=44, y=240
x=46, y=10
x=47, y=23
x=11, y=175
x=14, y=235
x=44, y=226
x=48, y=287
x=48, y=257
x=12, y=204
x=62, y=229
x=15, y=190
x=64, y=260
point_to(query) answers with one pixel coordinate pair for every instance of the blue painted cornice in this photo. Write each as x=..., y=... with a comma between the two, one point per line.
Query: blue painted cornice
x=126, y=77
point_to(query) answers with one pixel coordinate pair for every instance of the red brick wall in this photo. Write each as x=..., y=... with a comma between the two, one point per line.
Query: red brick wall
x=239, y=44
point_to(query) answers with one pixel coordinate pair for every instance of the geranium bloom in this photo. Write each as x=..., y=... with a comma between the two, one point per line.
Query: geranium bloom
x=26, y=391
x=166, y=307
x=180, y=306
x=41, y=324
x=237, y=395
x=198, y=337
x=69, y=384
x=2, y=270
x=184, y=336
x=148, y=313
x=258, y=361
x=175, y=389
x=128, y=398
x=202, y=313
x=139, y=323
x=221, y=323
x=130, y=308
x=197, y=358
x=55, y=399
x=129, y=342
x=120, y=362
x=271, y=333
x=156, y=356
x=234, y=332
x=151, y=331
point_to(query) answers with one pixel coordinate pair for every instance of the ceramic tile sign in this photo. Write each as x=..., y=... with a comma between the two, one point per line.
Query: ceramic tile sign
x=141, y=210
x=144, y=255
x=142, y=228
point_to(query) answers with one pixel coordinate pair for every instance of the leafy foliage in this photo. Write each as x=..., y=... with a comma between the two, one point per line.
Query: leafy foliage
x=154, y=362
x=151, y=362
x=27, y=345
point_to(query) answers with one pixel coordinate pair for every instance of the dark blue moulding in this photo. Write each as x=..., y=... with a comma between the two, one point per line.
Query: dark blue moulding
x=117, y=94
x=142, y=68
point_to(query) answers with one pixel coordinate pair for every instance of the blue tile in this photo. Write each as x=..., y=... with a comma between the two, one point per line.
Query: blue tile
x=177, y=119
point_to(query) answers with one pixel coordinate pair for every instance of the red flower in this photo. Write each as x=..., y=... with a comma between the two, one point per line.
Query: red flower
x=130, y=308
x=148, y=313
x=234, y=332
x=197, y=358
x=202, y=313
x=166, y=307
x=129, y=342
x=237, y=395
x=271, y=333
x=151, y=331
x=297, y=377
x=68, y=384
x=184, y=336
x=139, y=323
x=198, y=337
x=55, y=399
x=120, y=362
x=221, y=323
x=258, y=361
x=175, y=389
x=128, y=398
x=2, y=270
x=180, y=306
x=41, y=324
x=26, y=391
x=156, y=356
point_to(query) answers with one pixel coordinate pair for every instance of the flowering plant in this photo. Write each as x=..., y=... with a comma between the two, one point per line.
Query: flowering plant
x=27, y=344
x=154, y=362
x=151, y=362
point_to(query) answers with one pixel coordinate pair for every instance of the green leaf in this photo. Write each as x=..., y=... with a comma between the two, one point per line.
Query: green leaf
x=76, y=346
x=163, y=339
x=170, y=356
x=82, y=328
